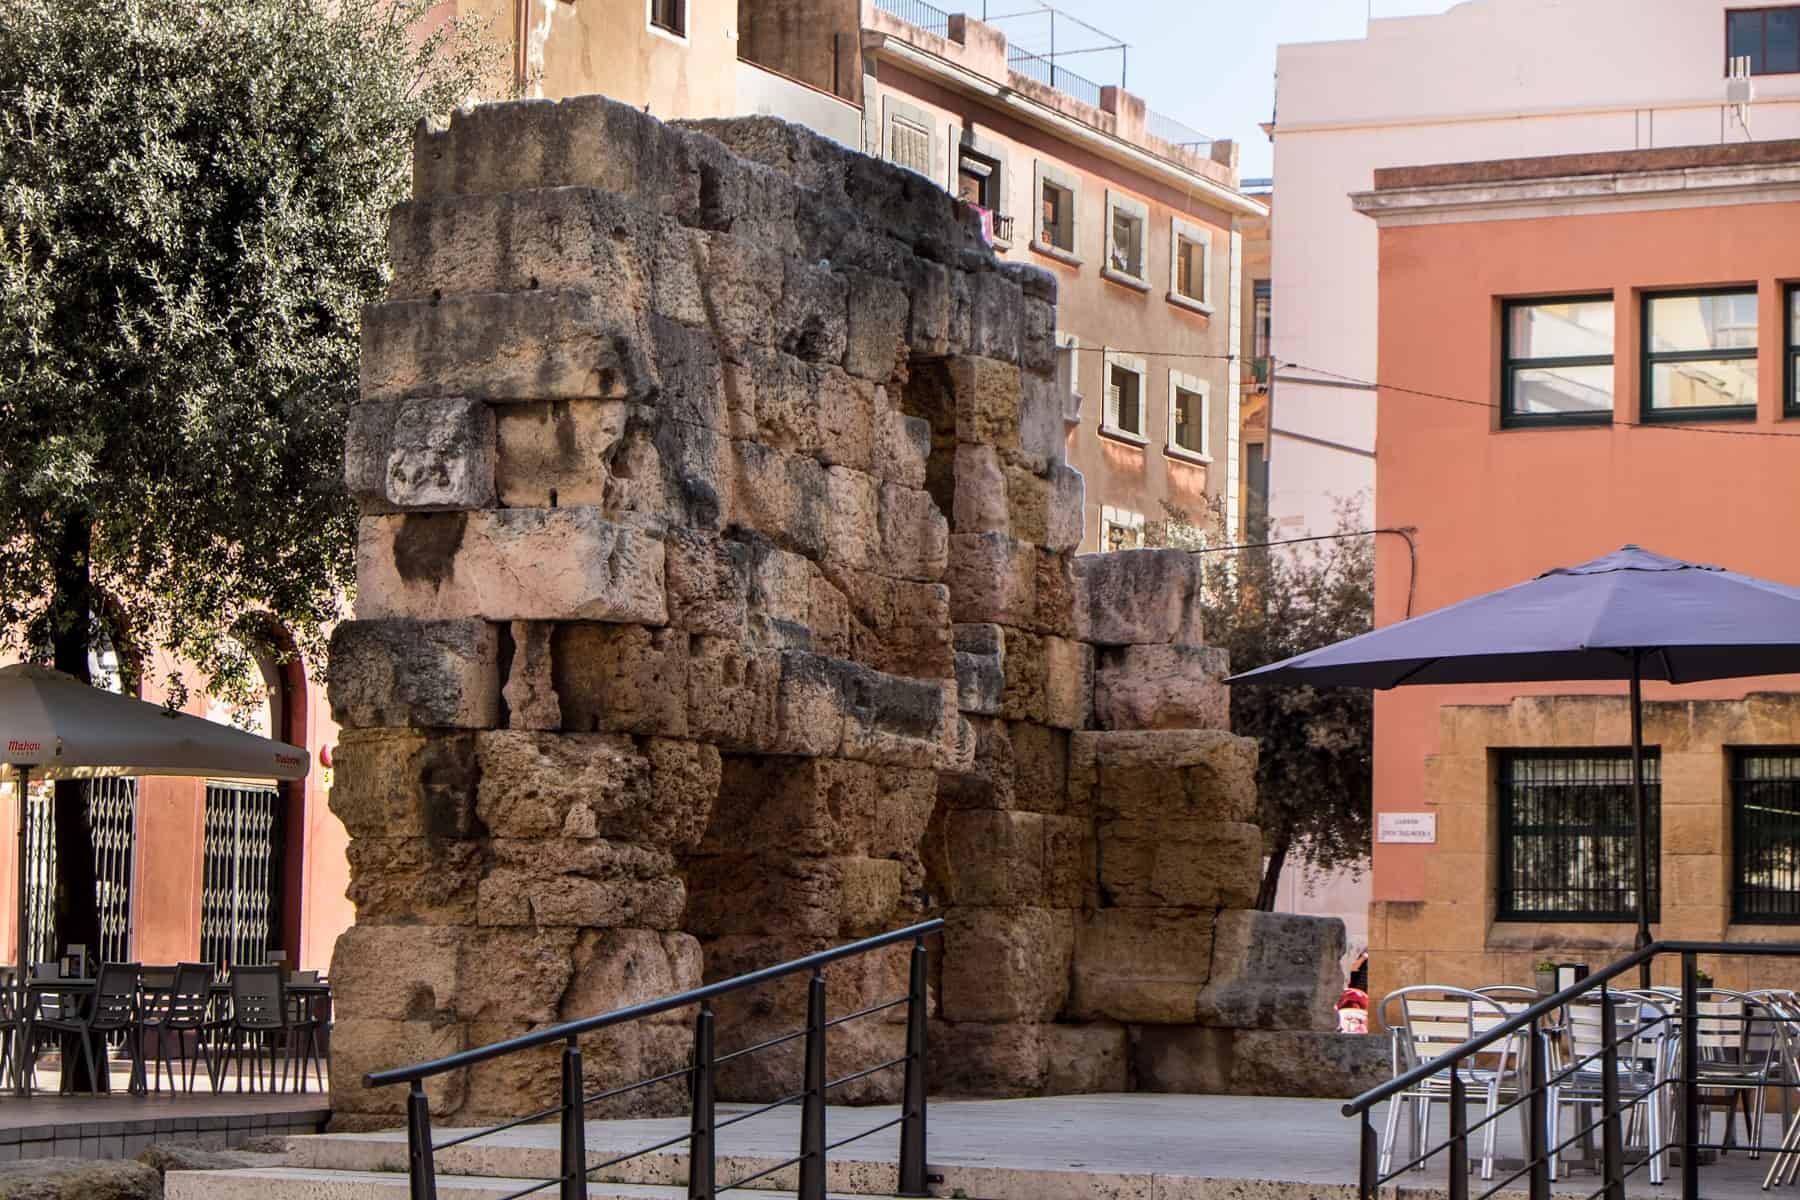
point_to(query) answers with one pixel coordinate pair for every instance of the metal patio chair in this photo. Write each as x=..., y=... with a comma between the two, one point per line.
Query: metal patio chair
x=112, y=1008
x=258, y=1018
x=1428, y=1021
x=1641, y=1031
x=1735, y=1058
x=180, y=1020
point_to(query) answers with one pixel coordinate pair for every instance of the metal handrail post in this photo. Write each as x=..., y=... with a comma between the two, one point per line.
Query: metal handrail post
x=1368, y=1175
x=812, y=1111
x=1612, y=1156
x=1690, y=1094
x=1537, y=1079
x=420, y=1170
x=1459, y=1136
x=912, y=1099
x=574, y=1129
x=702, y=1160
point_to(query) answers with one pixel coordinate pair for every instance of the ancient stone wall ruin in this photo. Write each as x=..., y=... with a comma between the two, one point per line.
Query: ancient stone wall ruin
x=717, y=603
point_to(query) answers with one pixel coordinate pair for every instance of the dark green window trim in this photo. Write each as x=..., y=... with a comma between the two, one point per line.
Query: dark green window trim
x=1765, y=835
x=1647, y=410
x=1567, y=835
x=1790, y=375
x=1509, y=366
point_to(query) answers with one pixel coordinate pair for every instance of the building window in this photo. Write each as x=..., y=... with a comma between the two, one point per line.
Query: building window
x=1187, y=417
x=1120, y=529
x=1124, y=415
x=911, y=140
x=1793, y=351
x=669, y=16
x=1700, y=355
x=1056, y=191
x=1765, y=836
x=1768, y=37
x=1127, y=230
x=1557, y=361
x=1068, y=375
x=1261, y=312
x=1190, y=265
x=1568, y=837
x=978, y=184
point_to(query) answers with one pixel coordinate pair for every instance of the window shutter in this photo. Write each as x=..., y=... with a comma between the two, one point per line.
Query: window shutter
x=1111, y=416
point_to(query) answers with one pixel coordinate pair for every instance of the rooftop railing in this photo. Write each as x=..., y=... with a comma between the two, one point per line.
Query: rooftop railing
x=917, y=12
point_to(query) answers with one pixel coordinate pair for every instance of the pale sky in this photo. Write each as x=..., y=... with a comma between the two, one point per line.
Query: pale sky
x=1209, y=64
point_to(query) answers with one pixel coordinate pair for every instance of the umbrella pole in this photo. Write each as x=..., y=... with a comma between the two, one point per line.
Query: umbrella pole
x=1640, y=809
x=24, y=928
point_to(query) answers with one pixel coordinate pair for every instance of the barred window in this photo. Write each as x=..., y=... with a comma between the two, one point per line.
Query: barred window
x=1765, y=836
x=1568, y=835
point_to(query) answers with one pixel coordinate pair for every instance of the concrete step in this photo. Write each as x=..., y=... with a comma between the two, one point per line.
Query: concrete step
x=302, y=1183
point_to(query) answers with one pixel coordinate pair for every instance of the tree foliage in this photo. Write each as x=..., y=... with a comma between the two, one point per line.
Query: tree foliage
x=193, y=203
x=1313, y=783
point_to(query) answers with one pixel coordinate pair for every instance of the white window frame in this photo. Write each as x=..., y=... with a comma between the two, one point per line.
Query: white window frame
x=1119, y=202
x=663, y=31
x=1121, y=518
x=1049, y=173
x=1110, y=410
x=895, y=110
x=1194, y=385
x=1185, y=231
x=1068, y=375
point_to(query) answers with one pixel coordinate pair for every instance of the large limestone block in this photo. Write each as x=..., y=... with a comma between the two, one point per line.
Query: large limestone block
x=1202, y=774
x=833, y=898
x=1048, y=680
x=1254, y=1062
x=404, y=783
x=1006, y=964
x=363, y=978
x=980, y=676
x=1138, y=597
x=519, y=564
x=979, y=1060
x=1042, y=430
x=899, y=626
x=1141, y=964
x=805, y=408
x=363, y=1044
x=547, y=785
x=902, y=445
x=1067, y=508
x=780, y=495
x=1274, y=971
x=992, y=578
x=995, y=858
x=827, y=706
x=915, y=537
x=415, y=672
x=989, y=401
x=996, y=316
x=708, y=580
x=1016, y=765
x=812, y=312
x=981, y=502
x=852, y=518
x=580, y=885
x=557, y=454
x=414, y=880
x=422, y=454
x=1179, y=862
x=530, y=690
x=503, y=347
x=621, y=678
x=1162, y=687
x=731, y=693
x=876, y=332
x=820, y=807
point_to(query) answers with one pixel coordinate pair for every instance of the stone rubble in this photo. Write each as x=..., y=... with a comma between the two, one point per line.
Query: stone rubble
x=717, y=604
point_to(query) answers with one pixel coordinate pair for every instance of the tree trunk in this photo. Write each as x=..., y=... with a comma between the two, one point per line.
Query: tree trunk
x=76, y=907
x=1271, y=880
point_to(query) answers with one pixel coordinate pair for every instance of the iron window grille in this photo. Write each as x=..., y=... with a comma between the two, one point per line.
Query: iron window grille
x=1556, y=361
x=1568, y=835
x=1768, y=37
x=1700, y=355
x=1765, y=836
x=241, y=854
x=1791, y=319
x=112, y=828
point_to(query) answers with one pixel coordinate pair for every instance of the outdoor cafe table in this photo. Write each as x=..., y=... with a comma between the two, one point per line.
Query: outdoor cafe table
x=311, y=994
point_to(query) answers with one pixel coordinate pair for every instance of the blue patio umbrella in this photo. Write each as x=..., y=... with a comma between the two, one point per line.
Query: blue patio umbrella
x=1630, y=615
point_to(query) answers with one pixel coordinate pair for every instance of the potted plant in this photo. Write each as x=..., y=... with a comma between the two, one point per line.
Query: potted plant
x=1546, y=977
x=1703, y=978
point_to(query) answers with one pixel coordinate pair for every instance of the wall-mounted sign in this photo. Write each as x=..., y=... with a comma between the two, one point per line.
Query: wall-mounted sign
x=1417, y=829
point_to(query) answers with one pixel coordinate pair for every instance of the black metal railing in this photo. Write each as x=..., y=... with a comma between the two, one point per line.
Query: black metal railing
x=1044, y=69
x=701, y=1073
x=917, y=12
x=1448, y=1078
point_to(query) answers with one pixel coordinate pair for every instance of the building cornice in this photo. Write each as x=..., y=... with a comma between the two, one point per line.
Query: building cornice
x=1622, y=191
x=1109, y=146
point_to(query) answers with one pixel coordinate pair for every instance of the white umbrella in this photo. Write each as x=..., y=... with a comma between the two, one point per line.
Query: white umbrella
x=56, y=727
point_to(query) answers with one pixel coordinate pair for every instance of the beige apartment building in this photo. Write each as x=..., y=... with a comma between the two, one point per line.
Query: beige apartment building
x=1140, y=219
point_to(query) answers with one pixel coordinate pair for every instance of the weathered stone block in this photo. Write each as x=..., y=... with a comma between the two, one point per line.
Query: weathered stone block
x=992, y=578
x=826, y=706
x=427, y=673
x=902, y=444
x=852, y=518
x=513, y=564
x=829, y=898
x=820, y=807
x=876, y=330
x=413, y=880
x=1138, y=597
x=421, y=454
x=1162, y=687
x=981, y=500
x=980, y=677
x=1204, y=774
x=980, y=1059
x=1176, y=862
x=530, y=689
x=1028, y=499
x=708, y=582
x=557, y=454
x=403, y=783
x=362, y=1044
x=1274, y=971
x=1067, y=508
x=915, y=538
x=812, y=313
x=1254, y=1062
x=1048, y=680
x=989, y=401
x=995, y=858
x=1006, y=964
x=538, y=785
x=731, y=694
x=997, y=317
x=1141, y=964
x=527, y=894
x=508, y=346
x=1081, y=1059
x=621, y=678
x=781, y=495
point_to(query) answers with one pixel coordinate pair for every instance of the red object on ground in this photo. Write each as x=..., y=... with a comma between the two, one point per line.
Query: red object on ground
x=1354, y=998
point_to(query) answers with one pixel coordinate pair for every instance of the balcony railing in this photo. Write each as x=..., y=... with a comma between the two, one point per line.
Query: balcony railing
x=1175, y=133
x=917, y=12
x=1046, y=72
